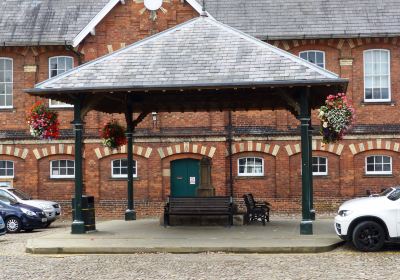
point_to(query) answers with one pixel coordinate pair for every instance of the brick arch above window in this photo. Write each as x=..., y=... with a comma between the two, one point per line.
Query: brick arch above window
x=251, y=146
x=137, y=150
x=60, y=149
x=317, y=145
x=378, y=144
x=14, y=151
x=187, y=147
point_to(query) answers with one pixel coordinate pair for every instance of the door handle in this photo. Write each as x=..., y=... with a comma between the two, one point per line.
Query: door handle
x=179, y=178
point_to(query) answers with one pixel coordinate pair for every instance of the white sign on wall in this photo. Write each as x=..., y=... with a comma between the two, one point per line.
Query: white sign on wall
x=192, y=181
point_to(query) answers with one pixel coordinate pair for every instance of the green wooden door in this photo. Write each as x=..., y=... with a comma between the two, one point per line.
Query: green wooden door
x=185, y=174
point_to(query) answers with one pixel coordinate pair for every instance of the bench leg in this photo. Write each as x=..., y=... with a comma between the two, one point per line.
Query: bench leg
x=166, y=219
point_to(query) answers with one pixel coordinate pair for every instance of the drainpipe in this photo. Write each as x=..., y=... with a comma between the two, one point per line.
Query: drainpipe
x=230, y=153
x=77, y=53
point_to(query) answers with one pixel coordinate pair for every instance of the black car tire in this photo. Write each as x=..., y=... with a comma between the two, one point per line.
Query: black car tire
x=368, y=236
x=13, y=225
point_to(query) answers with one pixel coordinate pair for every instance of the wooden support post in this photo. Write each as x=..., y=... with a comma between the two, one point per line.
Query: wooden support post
x=78, y=226
x=306, y=226
x=130, y=213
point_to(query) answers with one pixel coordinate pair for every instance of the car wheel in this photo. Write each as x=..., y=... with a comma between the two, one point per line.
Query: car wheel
x=368, y=236
x=13, y=225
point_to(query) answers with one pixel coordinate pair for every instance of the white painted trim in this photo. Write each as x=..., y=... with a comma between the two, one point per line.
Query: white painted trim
x=107, y=8
x=61, y=176
x=319, y=51
x=250, y=174
x=123, y=175
x=65, y=105
x=93, y=23
x=320, y=173
x=13, y=169
x=198, y=8
x=379, y=172
x=389, y=77
x=12, y=83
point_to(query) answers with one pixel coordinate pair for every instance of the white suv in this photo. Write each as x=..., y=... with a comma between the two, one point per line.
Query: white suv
x=51, y=209
x=369, y=222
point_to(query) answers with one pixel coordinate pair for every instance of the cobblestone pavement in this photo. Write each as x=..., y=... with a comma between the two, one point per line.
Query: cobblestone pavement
x=343, y=263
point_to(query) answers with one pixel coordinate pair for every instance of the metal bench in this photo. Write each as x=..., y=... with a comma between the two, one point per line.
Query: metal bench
x=256, y=211
x=199, y=206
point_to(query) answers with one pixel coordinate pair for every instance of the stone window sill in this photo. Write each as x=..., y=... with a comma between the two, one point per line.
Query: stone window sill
x=249, y=177
x=62, y=179
x=378, y=176
x=11, y=110
x=122, y=179
x=385, y=103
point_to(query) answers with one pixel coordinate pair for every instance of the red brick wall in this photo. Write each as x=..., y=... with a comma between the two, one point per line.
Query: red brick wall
x=281, y=184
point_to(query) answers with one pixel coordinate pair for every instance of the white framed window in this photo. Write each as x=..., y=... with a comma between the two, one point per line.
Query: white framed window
x=6, y=82
x=63, y=168
x=378, y=165
x=316, y=57
x=251, y=166
x=119, y=168
x=376, y=75
x=57, y=66
x=320, y=166
x=6, y=169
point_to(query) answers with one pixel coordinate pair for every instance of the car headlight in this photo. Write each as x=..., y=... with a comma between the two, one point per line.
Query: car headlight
x=28, y=212
x=344, y=213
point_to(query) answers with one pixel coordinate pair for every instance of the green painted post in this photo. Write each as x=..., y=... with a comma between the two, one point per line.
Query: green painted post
x=312, y=214
x=130, y=214
x=306, y=226
x=78, y=226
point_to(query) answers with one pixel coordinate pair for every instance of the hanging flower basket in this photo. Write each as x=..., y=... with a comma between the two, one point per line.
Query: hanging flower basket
x=336, y=118
x=43, y=123
x=113, y=135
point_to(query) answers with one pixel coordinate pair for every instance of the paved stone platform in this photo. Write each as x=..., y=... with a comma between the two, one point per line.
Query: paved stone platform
x=147, y=236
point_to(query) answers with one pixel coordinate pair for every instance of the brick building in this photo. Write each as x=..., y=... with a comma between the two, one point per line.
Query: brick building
x=41, y=39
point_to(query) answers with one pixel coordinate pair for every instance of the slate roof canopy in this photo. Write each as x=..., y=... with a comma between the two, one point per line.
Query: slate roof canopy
x=200, y=52
x=299, y=19
x=199, y=65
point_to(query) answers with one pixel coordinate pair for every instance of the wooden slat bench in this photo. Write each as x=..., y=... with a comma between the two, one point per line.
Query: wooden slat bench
x=199, y=206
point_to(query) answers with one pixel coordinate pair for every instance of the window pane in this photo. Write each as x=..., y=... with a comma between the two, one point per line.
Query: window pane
x=315, y=168
x=63, y=171
x=124, y=170
x=386, y=167
x=116, y=163
x=70, y=171
x=303, y=55
x=322, y=168
x=320, y=57
x=116, y=171
x=70, y=163
x=55, y=163
x=241, y=169
x=124, y=163
x=370, y=167
x=3, y=164
x=7, y=64
x=63, y=163
x=10, y=172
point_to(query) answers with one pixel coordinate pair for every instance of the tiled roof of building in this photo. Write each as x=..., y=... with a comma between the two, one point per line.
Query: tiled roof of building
x=200, y=52
x=34, y=22
x=295, y=19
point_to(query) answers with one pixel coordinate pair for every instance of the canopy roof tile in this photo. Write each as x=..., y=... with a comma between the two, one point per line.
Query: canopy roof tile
x=201, y=52
x=199, y=65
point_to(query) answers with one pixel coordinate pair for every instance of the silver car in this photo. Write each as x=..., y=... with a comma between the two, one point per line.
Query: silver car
x=51, y=209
